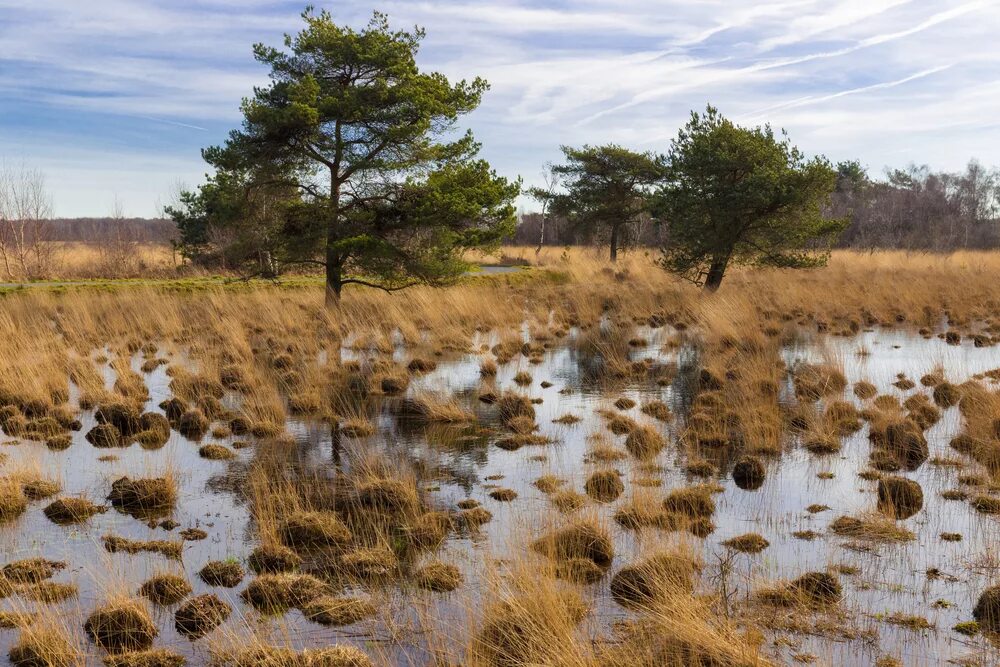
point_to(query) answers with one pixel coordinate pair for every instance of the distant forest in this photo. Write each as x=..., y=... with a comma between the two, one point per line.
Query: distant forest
x=912, y=208
x=103, y=230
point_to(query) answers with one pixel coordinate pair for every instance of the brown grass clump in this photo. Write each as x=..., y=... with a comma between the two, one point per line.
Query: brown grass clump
x=503, y=495
x=48, y=591
x=691, y=501
x=512, y=406
x=749, y=473
x=604, y=452
x=987, y=609
x=654, y=577
x=31, y=570
x=548, y=483
x=530, y=623
x=579, y=571
x=157, y=657
x=193, y=424
x=946, y=394
x=273, y=559
x=842, y=417
x=898, y=497
x=118, y=544
x=121, y=626
x=865, y=390
x=173, y=408
x=523, y=378
x=193, y=534
x=105, y=436
x=986, y=504
x=432, y=408
x=438, y=577
x=901, y=440
x=567, y=419
x=200, y=615
x=391, y=496
x=644, y=442
x=268, y=656
x=227, y=574
x=871, y=527
x=216, y=452
x=620, y=424
x=581, y=538
x=137, y=495
x=812, y=382
x=417, y=365
x=278, y=592
x=921, y=411
x=488, y=368
x=472, y=518
x=123, y=416
x=645, y=512
x=681, y=630
x=751, y=543
x=357, y=428
x=11, y=620
x=818, y=588
x=522, y=425
x=369, y=564
x=165, y=589
x=70, y=510
x=568, y=501
x=604, y=485
x=821, y=443
x=313, y=530
x=429, y=529
x=337, y=611
x=44, y=646
x=13, y=503
x=58, y=443
x=155, y=430
x=39, y=489
x=624, y=403
x=657, y=410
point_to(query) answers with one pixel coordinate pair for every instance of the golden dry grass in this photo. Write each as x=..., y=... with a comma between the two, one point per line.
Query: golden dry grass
x=279, y=349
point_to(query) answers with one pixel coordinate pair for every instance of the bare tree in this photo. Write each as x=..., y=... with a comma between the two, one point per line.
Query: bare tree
x=119, y=249
x=174, y=201
x=25, y=209
x=919, y=209
x=544, y=195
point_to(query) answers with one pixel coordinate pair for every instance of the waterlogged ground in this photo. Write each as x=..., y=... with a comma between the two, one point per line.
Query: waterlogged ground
x=879, y=579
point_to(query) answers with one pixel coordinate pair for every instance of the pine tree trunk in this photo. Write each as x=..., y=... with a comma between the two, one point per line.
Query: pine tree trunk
x=333, y=284
x=614, y=243
x=334, y=279
x=715, y=273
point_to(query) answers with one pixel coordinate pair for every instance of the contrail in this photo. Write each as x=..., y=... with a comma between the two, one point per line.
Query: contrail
x=173, y=122
x=803, y=101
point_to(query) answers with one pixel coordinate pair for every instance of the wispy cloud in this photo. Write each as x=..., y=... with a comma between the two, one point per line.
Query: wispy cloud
x=761, y=114
x=87, y=87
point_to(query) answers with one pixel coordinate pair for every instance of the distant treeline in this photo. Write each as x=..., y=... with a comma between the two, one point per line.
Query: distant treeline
x=912, y=208
x=103, y=230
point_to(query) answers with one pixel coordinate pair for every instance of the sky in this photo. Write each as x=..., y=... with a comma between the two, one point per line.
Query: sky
x=113, y=99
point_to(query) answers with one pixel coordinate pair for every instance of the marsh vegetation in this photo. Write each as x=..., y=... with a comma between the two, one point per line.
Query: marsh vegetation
x=570, y=465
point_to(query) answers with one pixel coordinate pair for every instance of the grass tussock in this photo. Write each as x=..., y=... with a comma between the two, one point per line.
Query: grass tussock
x=871, y=527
